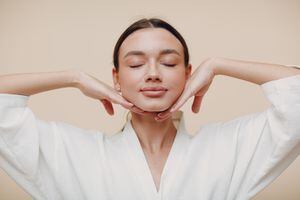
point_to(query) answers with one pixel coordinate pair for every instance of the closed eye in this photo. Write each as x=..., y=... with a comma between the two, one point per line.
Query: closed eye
x=134, y=66
x=169, y=65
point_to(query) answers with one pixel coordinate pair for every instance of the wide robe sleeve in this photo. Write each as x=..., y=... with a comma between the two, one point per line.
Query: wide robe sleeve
x=267, y=142
x=34, y=152
x=25, y=140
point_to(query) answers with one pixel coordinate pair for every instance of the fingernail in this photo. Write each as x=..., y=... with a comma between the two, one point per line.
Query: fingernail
x=156, y=118
x=129, y=104
x=167, y=116
x=197, y=109
x=164, y=116
x=160, y=114
x=126, y=104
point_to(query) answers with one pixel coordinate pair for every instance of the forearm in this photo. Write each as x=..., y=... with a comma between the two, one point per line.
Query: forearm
x=33, y=83
x=254, y=72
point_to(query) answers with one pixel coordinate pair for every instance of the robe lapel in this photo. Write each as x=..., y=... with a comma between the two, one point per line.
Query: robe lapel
x=173, y=163
x=138, y=163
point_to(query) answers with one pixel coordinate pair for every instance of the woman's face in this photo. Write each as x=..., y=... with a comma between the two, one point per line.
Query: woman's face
x=151, y=73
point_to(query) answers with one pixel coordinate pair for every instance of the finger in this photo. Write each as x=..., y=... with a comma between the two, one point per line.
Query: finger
x=164, y=114
x=160, y=119
x=126, y=103
x=136, y=110
x=118, y=99
x=196, y=103
x=182, y=99
x=195, y=108
x=108, y=106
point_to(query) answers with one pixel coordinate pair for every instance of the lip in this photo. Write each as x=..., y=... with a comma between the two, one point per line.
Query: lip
x=154, y=91
x=157, y=88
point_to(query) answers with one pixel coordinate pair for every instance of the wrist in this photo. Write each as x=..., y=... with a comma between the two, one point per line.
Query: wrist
x=214, y=64
x=76, y=78
x=211, y=64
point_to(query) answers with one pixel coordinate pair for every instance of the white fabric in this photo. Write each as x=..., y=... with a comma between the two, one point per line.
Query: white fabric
x=230, y=160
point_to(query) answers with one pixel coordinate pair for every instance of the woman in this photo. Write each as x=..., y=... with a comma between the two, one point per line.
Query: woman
x=152, y=157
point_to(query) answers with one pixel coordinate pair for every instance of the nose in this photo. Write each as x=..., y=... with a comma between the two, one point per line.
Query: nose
x=153, y=73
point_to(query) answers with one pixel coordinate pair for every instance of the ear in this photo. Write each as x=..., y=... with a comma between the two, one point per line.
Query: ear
x=115, y=75
x=188, y=71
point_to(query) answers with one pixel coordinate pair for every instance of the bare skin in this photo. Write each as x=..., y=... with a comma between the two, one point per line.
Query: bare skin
x=33, y=83
x=150, y=117
x=156, y=153
x=156, y=162
x=152, y=57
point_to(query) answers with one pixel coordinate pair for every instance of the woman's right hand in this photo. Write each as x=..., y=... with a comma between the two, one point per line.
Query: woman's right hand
x=94, y=88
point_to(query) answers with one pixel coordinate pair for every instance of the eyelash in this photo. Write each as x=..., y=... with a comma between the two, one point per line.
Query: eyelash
x=169, y=65
x=135, y=66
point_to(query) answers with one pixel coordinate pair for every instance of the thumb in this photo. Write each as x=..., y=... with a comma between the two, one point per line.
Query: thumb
x=108, y=106
x=197, y=103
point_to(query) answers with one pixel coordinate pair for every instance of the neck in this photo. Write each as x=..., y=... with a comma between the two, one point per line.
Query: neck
x=154, y=136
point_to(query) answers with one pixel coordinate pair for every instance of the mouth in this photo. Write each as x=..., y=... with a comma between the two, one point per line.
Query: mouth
x=153, y=92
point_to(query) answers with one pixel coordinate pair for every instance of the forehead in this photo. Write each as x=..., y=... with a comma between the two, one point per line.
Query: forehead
x=150, y=41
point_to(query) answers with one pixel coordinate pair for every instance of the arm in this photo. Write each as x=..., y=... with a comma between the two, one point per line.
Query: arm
x=257, y=147
x=254, y=72
x=32, y=83
x=198, y=83
x=266, y=142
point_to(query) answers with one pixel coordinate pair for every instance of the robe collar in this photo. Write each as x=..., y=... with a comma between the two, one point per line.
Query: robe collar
x=138, y=161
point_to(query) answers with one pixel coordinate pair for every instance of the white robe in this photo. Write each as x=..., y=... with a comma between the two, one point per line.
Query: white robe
x=230, y=160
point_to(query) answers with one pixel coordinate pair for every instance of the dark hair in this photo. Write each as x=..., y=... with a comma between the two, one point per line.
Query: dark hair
x=149, y=23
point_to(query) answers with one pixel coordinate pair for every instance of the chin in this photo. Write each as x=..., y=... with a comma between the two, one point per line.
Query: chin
x=154, y=108
x=151, y=105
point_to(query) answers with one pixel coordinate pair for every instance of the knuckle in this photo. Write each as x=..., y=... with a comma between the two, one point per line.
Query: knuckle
x=109, y=95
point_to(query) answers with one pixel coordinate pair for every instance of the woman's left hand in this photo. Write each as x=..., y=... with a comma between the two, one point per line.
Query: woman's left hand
x=197, y=85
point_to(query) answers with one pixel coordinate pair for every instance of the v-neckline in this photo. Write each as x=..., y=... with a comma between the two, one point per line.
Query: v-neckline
x=140, y=164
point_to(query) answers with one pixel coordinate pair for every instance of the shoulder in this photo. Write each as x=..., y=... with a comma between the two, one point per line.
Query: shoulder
x=205, y=133
x=222, y=130
x=75, y=133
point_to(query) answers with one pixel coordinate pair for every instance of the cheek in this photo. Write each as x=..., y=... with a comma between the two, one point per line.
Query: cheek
x=130, y=83
x=177, y=83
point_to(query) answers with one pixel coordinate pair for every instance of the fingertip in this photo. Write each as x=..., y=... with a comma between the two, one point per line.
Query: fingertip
x=196, y=110
x=160, y=114
x=127, y=105
x=156, y=118
x=172, y=109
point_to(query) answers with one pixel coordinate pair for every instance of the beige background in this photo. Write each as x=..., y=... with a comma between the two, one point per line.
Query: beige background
x=38, y=36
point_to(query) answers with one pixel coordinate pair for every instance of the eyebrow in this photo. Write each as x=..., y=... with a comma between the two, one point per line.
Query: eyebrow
x=162, y=52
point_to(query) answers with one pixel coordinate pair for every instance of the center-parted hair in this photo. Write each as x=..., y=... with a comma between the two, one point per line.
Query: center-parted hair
x=149, y=23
